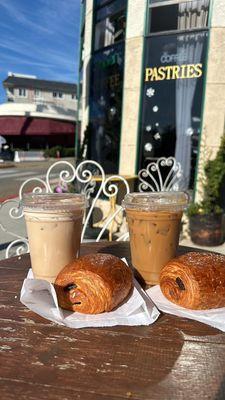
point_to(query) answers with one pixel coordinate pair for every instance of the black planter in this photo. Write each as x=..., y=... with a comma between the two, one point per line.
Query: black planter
x=206, y=230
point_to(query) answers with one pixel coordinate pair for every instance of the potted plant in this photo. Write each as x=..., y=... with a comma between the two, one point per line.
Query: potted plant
x=206, y=217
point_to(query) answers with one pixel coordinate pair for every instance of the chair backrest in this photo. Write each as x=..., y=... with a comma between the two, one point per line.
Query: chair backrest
x=162, y=175
x=88, y=177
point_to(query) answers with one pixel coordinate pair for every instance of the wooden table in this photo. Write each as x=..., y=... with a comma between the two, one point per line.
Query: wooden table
x=174, y=358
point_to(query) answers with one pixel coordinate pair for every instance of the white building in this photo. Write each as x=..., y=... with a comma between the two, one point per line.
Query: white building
x=38, y=113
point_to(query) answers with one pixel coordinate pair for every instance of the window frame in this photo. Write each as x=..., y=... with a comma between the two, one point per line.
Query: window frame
x=39, y=95
x=95, y=22
x=96, y=7
x=147, y=35
x=172, y=31
x=20, y=92
x=58, y=95
x=166, y=2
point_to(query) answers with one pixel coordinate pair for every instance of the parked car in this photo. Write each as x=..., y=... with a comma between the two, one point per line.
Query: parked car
x=6, y=154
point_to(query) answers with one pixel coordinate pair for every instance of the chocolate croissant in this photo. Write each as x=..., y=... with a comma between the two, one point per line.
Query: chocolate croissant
x=195, y=281
x=93, y=284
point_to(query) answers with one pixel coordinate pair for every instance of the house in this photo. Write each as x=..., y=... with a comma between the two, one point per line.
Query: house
x=38, y=113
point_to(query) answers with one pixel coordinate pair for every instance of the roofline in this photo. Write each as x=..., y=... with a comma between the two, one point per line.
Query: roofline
x=39, y=115
x=70, y=87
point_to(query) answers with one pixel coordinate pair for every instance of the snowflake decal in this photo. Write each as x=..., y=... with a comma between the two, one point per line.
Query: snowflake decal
x=189, y=131
x=148, y=128
x=101, y=101
x=155, y=108
x=148, y=147
x=157, y=136
x=150, y=92
x=113, y=111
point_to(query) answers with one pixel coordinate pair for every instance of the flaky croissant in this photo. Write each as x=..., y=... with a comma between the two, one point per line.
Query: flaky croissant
x=195, y=280
x=93, y=284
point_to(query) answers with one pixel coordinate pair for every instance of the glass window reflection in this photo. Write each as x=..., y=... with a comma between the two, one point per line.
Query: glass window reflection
x=105, y=106
x=100, y=3
x=178, y=16
x=172, y=99
x=110, y=24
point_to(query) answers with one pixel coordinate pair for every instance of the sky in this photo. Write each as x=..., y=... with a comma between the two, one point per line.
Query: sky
x=39, y=37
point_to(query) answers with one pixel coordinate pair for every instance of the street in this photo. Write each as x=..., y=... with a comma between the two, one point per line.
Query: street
x=10, y=181
x=11, y=178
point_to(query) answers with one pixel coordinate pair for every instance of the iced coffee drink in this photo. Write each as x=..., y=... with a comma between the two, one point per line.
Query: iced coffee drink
x=54, y=223
x=154, y=226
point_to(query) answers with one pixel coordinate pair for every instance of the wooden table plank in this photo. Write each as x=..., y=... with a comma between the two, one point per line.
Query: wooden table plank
x=174, y=358
x=132, y=363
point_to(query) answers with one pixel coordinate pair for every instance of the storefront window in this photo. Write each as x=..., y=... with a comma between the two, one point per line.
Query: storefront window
x=170, y=15
x=174, y=71
x=105, y=106
x=106, y=83
x=80, y=78
x=110, y=24
x=100, y=3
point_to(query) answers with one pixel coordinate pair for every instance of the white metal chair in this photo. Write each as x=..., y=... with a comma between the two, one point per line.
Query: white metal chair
x=85, y=175
x=162, y=175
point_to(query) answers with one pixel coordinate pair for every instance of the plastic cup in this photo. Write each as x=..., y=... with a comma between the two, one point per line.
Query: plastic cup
x=154, y=226
x=54, y=223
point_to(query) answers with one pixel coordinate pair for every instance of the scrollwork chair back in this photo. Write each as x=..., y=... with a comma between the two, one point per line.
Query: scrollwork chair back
x=84, y=175
x=165, y=174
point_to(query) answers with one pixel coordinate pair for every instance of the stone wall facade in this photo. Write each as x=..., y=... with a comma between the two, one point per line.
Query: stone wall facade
x=213, y=124
x=214, y=100
x=132, y=85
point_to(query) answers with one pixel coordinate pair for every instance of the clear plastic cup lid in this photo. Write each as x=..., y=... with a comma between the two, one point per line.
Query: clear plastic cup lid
x=62, y=202
x=153, y=201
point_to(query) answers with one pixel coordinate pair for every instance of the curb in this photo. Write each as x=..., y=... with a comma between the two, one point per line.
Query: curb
x=6, y=164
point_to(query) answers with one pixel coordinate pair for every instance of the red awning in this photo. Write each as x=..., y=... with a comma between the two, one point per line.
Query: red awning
x=35, y=126
x=11, y=125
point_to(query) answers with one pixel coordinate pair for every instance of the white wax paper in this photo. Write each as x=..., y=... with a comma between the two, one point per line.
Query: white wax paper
x=40, y=296
x=214, y=317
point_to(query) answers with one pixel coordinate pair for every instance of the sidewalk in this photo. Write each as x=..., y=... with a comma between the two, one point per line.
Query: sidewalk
x=7, y=164
x=16, y=226
x=217, y=249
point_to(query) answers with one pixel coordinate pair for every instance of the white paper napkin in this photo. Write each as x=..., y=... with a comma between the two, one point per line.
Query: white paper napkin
x=40, y=296
x=214, y=317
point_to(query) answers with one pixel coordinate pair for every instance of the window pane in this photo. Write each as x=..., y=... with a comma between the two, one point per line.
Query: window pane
x=99, y=3
x=163, y=18
x=105, y=107
x=110, y=30
x=22, y=92
x=172, y=99
x=180, y=16
x=112, y=8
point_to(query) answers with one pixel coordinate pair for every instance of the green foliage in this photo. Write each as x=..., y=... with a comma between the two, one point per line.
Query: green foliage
x=213, y=185
x=59, y=151
x=203, y=208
